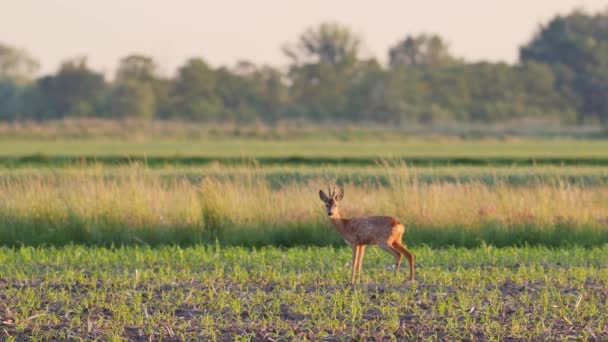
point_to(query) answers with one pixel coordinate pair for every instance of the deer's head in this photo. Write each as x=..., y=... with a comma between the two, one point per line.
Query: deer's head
x=331, y=201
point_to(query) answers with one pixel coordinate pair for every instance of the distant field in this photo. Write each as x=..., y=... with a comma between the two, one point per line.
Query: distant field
x=218, y=293
x=278, y=176
x=15, y=152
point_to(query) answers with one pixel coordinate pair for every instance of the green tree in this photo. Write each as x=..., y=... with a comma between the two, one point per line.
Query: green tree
x=74, y=91
x=369, y=98
x=193, y=95
x=421, y=51
x=329, y=43
x=249, y=92
x=130, y=98
x=322, y=72
x=16, y=64
x=10, y=95
x=17, y=69
x=270, y=91
x=137, y=88
x=576, y=47
x=137, y=68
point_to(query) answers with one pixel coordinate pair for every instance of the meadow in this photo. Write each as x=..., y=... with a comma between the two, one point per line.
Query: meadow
x=240, y=206
x=227, y=240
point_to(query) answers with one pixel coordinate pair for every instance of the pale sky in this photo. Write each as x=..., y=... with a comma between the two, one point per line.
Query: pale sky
x=225, y=31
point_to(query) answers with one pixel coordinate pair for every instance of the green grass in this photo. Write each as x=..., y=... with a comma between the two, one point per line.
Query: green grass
x=218, y=293
x=441, y=151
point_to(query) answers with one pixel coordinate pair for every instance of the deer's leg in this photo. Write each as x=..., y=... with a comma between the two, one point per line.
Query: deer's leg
x=398, y=264
x=360, y=261
x=395, y=253
x=354, y=263
x=410, y=258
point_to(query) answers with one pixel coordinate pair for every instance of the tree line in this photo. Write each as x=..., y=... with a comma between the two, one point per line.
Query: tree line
x=562, y=74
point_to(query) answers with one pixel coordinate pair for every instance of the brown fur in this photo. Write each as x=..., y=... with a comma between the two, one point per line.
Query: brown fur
x=384, y=231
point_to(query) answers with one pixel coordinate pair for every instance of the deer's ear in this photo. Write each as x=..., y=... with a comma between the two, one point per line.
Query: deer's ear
x=340, y=195
x=323, y=196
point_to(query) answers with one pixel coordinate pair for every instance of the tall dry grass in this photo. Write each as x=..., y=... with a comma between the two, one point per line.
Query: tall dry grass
x=138, y=206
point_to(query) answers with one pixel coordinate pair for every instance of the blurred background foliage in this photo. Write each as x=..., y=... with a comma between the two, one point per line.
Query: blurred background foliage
x=561, y=76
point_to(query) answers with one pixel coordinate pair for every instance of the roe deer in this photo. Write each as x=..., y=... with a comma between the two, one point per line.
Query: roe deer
x=359, y=232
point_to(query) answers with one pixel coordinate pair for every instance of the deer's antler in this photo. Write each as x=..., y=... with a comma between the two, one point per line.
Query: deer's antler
x=331, y=190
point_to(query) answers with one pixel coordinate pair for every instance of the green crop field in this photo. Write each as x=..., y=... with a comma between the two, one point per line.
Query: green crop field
x=214, y=293
x=15, y=152
x=446, y=147
x=228, y=240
